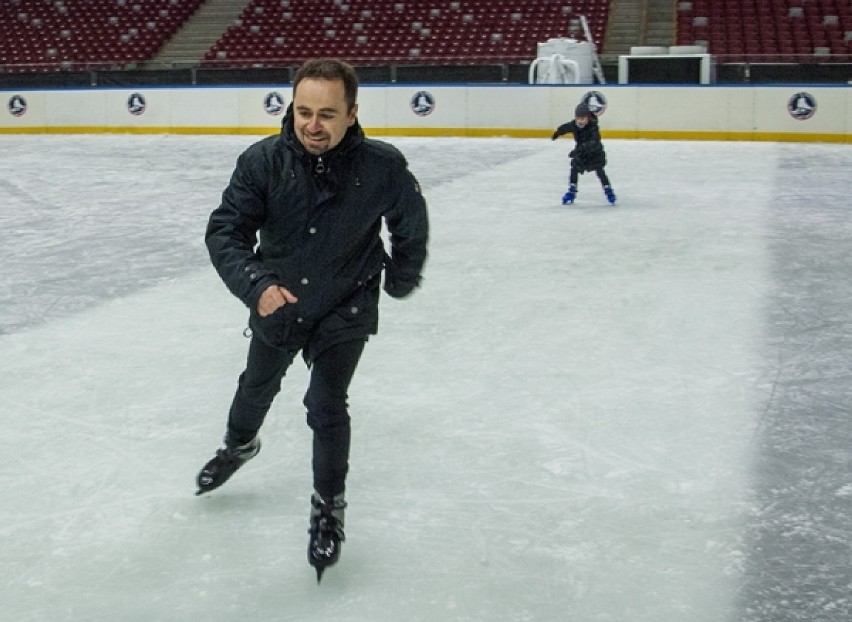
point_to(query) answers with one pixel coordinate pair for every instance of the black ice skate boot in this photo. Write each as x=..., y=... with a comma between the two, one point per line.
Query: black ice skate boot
x=225, y=463
x=326, y=532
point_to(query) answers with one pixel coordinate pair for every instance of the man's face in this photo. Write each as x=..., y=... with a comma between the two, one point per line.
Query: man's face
x=321, y=118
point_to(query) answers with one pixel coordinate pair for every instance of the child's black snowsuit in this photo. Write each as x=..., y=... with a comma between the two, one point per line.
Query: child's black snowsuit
x=589, y=154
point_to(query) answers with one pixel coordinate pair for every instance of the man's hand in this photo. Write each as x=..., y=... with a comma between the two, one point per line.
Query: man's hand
x=273, y=298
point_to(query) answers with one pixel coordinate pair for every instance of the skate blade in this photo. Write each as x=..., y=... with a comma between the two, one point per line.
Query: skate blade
x=319, y=573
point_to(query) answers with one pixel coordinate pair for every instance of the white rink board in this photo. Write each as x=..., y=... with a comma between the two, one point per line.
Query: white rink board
x=713, y=112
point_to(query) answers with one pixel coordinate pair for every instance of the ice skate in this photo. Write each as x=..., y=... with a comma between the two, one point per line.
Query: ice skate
x=225, y=463
x=326, y=532
x=568, y=197
x=610, y=195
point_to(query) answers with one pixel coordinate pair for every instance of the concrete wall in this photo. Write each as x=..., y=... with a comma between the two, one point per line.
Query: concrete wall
x=631, y=111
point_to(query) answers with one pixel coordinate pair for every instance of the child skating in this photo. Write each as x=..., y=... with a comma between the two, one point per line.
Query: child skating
x=588, y=154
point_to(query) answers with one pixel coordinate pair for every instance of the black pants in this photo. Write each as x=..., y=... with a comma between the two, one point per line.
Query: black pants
x=325, y=400
x=575, y=174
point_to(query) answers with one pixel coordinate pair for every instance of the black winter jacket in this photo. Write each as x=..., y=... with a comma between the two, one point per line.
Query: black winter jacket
x=589, y=153
x=319, y=222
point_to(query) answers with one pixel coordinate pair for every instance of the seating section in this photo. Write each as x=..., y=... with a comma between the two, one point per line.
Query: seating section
x=51, y=35
x=383, y=31
x=768, y=30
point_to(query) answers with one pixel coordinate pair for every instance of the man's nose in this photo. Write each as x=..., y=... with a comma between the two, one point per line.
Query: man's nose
x=314, y=124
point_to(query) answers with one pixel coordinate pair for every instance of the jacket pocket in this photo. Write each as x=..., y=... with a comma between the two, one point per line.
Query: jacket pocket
x=274, y=329
x=360, y=310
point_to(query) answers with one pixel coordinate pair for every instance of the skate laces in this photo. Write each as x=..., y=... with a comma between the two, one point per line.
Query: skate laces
x=228, y=455
x=328, y=519
x=328, y=525
x=232, y=457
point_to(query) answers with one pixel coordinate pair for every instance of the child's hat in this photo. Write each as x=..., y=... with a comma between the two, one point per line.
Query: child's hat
x=582, y=110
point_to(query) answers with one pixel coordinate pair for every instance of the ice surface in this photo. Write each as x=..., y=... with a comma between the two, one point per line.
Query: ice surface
x=636, y=413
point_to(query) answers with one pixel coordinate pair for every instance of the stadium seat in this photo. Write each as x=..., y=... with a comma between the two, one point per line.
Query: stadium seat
x=409, y=31
x=74, y=34
x=767, y=30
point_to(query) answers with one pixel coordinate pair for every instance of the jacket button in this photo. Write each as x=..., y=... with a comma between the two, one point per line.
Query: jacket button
x=305, y=281
x=299, y=320
x=253, y=276
x=312, y=230
x=354, y=310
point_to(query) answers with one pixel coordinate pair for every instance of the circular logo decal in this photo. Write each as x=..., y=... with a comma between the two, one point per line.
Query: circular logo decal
x=273, y=103
x=596, y=102
x=423, y=103
x=136, y=104
x=802, y=106
x=17, y=106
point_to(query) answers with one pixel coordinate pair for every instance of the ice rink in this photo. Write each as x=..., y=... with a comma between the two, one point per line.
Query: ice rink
x=637, y=413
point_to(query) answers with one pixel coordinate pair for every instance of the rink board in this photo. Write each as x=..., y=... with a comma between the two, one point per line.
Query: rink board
x=629, y=111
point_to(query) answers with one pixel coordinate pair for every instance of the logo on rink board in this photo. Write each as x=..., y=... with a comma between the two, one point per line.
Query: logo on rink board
x=423, y=103
x=802, y=106
x=17, y=106
x=596, y=102
x=136, y=104
x=273, y=103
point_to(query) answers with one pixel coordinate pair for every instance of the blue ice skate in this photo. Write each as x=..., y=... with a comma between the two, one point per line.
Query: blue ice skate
x=568, y=197
x=610, y=195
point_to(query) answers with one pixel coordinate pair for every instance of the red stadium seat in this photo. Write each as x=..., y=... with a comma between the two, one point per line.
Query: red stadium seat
x=767, y=29
x=79, y=33
x=410, y=30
